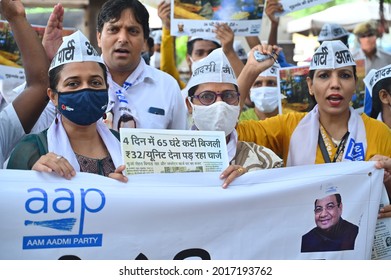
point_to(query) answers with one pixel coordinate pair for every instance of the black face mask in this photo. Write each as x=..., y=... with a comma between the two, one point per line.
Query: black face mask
x=83, y=107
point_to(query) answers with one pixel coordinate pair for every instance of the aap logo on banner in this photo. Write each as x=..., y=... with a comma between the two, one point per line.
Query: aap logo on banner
x=355, y=151
x=64, y=203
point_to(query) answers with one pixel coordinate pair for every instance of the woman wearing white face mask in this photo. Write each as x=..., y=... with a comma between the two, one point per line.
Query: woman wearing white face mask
x=214, y=98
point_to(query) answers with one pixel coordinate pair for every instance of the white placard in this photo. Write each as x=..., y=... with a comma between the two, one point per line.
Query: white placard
x=172, y=151
x=290, y=6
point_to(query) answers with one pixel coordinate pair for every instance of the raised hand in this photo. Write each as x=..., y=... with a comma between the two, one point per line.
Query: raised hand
x=52, y=38
x=163, y=11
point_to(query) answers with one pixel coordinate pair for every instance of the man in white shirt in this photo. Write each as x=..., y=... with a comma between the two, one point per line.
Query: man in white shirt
x=139, y=94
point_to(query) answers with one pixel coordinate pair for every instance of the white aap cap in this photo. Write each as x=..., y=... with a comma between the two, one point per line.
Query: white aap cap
x=374, y=76
x=215, y=68
x=75, y=48
x=332, y=31
x=157, y=36
x=332, y=55
x=206, y=38
x=272, y=71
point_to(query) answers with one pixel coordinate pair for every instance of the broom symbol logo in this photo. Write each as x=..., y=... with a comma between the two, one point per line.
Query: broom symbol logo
x=59, y=224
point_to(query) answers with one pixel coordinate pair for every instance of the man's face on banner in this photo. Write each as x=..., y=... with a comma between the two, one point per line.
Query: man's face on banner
x=327, y=212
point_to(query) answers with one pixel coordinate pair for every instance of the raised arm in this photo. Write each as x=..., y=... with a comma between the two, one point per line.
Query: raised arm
x=226, y=36
x=33, y=100
x=273, y=7
x=52, y=38
x=167, y=50
x=253, y=68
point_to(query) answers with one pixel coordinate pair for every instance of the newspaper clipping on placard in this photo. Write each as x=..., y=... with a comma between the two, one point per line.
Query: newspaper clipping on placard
x=173, y=151
x=200, y=17
x=381, y=249
x=290, y=6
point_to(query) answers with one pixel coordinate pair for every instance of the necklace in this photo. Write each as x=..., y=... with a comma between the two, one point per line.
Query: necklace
x=325, y=146
x=336, y=142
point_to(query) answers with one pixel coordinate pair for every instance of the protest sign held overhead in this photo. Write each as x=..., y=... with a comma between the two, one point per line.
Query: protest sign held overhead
x=200, y=17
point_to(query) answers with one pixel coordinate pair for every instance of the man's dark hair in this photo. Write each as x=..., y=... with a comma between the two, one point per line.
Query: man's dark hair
x=112, y=9
x=344, y=40
x=376, y=103
x=190, y=45
x=337, y=197
x=150, y=42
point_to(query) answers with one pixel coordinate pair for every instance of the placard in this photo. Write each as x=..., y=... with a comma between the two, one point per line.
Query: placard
x=172, y=151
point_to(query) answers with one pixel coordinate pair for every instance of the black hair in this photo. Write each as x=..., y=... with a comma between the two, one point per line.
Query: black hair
x=192, y=91
x=112, y=9
x=124, y=119
x=150, y=42
x=344, y=39
x=311, y=75
x=190, y=45
x=151, y=48
x=376, y=103
x=337, y=197
x=54, y=75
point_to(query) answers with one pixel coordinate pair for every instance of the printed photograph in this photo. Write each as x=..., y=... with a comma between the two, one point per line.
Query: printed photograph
x=331, y=231
x=9, y=52
x=218, y=9
x=294, y=89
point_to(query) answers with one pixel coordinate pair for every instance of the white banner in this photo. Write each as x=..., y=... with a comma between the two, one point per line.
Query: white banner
x=262, y=215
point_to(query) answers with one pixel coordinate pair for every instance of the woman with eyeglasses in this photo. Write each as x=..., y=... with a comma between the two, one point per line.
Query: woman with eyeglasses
x=214, y=99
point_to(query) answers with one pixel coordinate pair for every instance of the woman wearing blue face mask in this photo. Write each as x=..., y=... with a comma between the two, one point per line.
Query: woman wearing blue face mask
x=77, y=140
